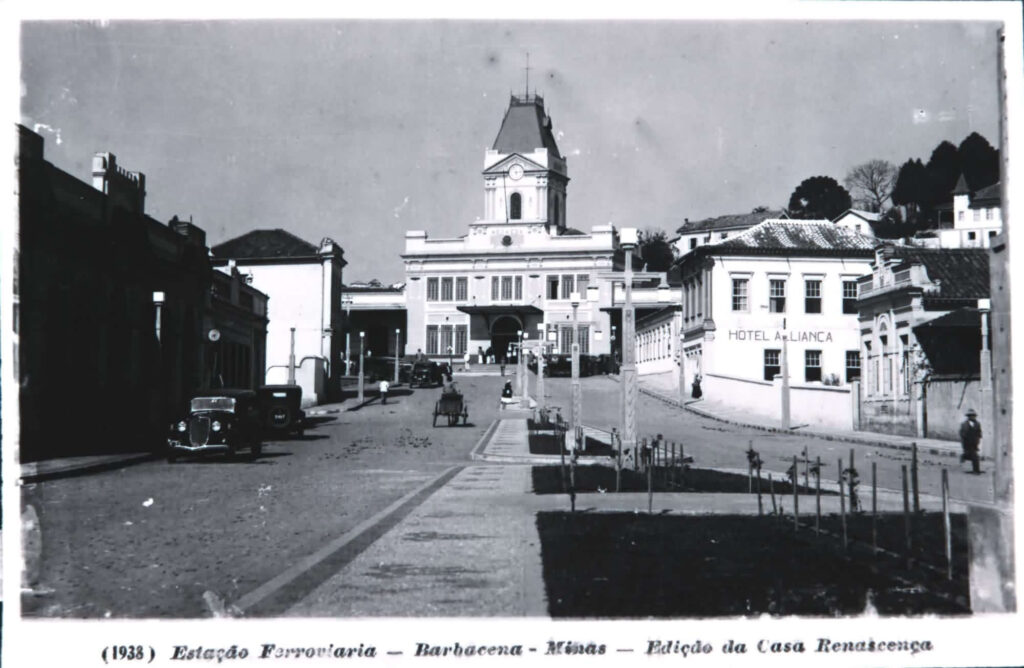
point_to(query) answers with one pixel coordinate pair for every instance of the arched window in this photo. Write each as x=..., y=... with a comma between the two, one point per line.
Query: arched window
x=515, y=205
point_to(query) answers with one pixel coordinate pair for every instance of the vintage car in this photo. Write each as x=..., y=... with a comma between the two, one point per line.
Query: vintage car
x=218, y=421
x=426, y=374
x=280, y=409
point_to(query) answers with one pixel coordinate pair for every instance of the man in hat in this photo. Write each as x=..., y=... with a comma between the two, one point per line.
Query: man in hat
x=970, y=440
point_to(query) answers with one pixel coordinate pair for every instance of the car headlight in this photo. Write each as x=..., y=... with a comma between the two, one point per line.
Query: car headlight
x=181, y=426
x=215, y=426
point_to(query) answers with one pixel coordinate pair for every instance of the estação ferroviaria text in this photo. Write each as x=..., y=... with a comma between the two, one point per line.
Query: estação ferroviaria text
x=553, y=647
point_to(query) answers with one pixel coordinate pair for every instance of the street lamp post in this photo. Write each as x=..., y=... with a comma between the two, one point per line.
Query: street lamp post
x=362, y=339
x=577, y=395
x=291, y=360
x=628, y=241
x=785, y=376
x=451, y=369
x=398, y=356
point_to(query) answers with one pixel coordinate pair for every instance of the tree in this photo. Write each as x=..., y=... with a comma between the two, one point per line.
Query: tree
x=943, y=170
x=893, y=226
x=871, y=183
x=979, y=161
x=819, y=197
x=911, y=189
x=655, y=250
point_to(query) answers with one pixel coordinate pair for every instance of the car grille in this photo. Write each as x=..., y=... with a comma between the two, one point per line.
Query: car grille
x=199, y=430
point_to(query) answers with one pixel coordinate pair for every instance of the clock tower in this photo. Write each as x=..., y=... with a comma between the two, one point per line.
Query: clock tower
x=525, y=176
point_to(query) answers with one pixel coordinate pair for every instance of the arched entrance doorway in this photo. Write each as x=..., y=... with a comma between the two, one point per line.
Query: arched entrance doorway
x=504, y=331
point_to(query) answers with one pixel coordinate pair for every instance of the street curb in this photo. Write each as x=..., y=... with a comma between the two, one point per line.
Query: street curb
x=940, y=452
x=72, y=471
x=485, y=440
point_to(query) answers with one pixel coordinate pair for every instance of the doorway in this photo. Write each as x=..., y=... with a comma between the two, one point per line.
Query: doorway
x=504, y=332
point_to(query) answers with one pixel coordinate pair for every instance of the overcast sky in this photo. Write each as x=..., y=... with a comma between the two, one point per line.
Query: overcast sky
x=361, y=130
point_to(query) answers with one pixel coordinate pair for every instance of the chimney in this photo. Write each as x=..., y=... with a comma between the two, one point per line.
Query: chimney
x=186, y=229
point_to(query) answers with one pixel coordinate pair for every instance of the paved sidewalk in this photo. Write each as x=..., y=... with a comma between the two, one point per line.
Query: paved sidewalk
x=662, y=387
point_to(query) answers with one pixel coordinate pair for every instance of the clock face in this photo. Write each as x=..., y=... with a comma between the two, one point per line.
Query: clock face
x=515, y=172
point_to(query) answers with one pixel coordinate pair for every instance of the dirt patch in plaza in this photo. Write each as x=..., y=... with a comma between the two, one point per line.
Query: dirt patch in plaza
x=599, y=478
x=637, y=565
x=548, y=443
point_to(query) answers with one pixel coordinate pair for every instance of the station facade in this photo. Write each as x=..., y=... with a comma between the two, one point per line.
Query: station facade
x=516, y=268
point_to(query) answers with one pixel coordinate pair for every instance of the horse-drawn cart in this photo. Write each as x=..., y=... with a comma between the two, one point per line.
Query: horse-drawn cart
x=452, y=406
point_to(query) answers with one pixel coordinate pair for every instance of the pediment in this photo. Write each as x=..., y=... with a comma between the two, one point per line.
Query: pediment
x=503, y=165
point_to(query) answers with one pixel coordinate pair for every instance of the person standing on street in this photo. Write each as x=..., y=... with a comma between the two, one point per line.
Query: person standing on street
x=970, y=440
x=384, y=387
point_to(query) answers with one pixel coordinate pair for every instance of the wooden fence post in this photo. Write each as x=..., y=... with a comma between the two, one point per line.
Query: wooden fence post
x=906, y=516
x=913, y=478
x=817, y=497
x=947, y=529
x=842, y=501
x=796, y=498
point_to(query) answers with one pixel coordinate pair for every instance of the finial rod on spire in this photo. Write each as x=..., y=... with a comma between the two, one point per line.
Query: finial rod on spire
x=527, y=68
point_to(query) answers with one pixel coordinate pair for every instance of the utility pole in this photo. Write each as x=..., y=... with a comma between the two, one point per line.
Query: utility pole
x=577, y=393
x=628, y=241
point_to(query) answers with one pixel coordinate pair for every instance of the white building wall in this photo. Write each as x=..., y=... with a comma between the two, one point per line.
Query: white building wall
x=291, y=303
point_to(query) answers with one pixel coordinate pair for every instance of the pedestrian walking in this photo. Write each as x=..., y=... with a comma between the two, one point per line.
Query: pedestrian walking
x=420, y=357
x=465, y=361
x=506, y=394
x=970, y=440
x=384, y=387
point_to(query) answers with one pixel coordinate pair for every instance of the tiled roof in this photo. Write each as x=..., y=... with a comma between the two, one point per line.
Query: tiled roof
x=264, y=244
x=987, y=195
x=734, y=221
x=962, y=273
x=961, y=317
x=798, y=235
x=525, y=127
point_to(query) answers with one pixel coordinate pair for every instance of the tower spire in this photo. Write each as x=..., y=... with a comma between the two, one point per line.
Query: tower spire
x=527, y=68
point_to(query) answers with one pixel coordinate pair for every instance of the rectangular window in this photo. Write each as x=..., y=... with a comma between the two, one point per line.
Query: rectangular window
x=988, y=214
x=777, y=296
x=568, y=283
x=977, y=215
x=461, y=289
x=971, y=236
x=447, y=340
x=739, y=294
x=506, y=288
x=432, y=339
x=991, y=233
x=812, y=365
x=960, y=216
x=552, y=287
x=582, y=281
x=565, y=340
x=772, y=363
x=812, y=296
x=432, y=290
x=852, y=365
x=584, y=337
x=461, y=339
x=446, y=289
x=693, y=244
x=850, y=297
x=519, y=288
x=887, y=375
x=495, y=283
